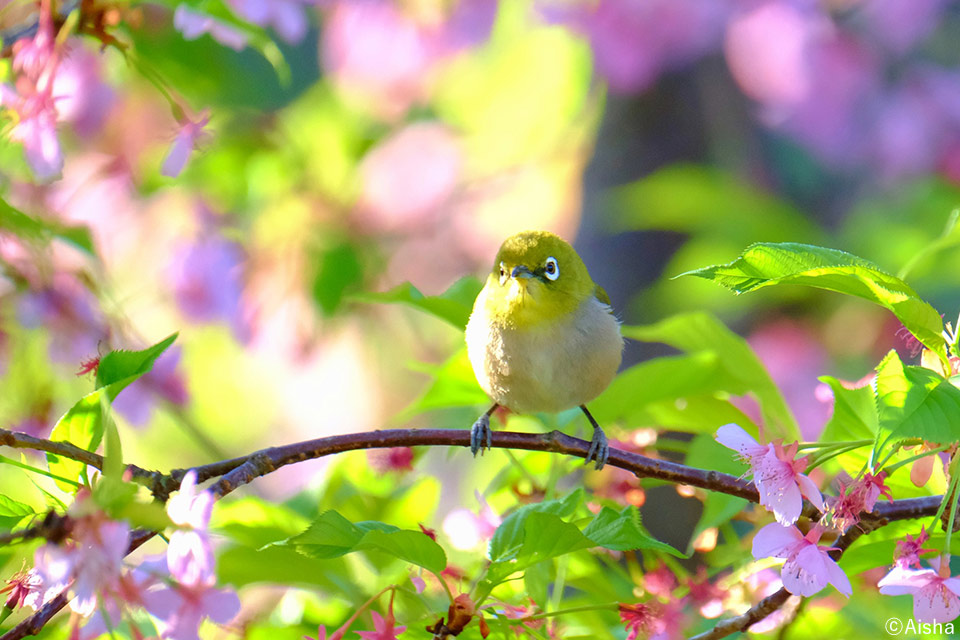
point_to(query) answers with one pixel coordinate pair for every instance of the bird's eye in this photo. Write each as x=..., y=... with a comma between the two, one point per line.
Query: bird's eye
x=503, y=274
x=551, y=268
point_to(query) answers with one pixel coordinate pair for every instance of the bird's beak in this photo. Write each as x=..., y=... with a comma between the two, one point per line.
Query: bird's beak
x=521, y=271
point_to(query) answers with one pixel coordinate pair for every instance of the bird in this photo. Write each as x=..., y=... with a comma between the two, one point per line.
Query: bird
x=542, y=336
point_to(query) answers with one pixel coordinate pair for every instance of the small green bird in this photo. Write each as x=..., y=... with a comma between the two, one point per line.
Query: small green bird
x=542, y=335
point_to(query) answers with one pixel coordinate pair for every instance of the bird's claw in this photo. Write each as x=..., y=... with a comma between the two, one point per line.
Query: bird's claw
x=599, y=449
x=480, y=435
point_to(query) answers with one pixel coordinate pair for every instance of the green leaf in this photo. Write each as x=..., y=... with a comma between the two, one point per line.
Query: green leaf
x=667, y=378
x=254, y=522
x=536, y=580
x=453, y=385
x=914, y=402
x=241, y=565
x=112, y=451
x=546, y=536
x=766, y=264
x=414, y=547
x=29, y=228
x=82, y=424
x=339, y=270
x=119, y=368
x=624, y=531
x=508, y=539
x=12, y=512
x=701, y=332
x=854, y=412
x=453, y=305
x=331, y=535
x=705, y=200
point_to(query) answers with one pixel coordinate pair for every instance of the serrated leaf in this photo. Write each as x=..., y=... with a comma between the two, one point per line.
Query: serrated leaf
x=701, y=332
x=546, y=535
x=414, y=547
x=767, y=264
x=508, y=537
x=82, y=424
x=914, y=402
x=119, y=368
x=624, y=531
x=453, y=305
x=331, y=536
x=13, y=511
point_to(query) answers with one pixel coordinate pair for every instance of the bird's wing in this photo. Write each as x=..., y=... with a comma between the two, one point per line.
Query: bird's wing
x=602, y=296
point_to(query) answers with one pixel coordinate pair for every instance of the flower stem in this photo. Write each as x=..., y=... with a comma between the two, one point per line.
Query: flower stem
x=905, y=461
x=560, y=612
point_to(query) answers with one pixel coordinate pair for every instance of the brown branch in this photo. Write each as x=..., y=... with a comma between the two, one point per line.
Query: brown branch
x=236, y=472
x=554, y=441
x=19, y=440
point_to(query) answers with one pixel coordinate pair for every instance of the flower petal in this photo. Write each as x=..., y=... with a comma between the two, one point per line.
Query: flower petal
x=806, y=573
x=901, y=581
x=775, y=540
x=810, y=491
x=778, y=489
x=836, y=576
x=935, y=603
x=733, y=436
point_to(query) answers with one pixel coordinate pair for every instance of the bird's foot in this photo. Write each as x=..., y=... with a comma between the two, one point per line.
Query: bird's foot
x=599, y=449
x=480, y=435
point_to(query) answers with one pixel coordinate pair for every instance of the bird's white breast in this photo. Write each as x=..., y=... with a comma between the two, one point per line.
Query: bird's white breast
x=550, y=367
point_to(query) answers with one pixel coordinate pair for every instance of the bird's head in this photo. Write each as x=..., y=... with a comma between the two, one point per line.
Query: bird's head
x=536, y=278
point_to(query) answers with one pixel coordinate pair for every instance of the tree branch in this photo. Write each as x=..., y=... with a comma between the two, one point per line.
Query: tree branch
x=19, y=440
x=236, y=472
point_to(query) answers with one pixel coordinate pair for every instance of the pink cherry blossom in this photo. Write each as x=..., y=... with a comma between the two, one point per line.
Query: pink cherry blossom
x=180, y=609
x=25, y=589
x=36, y=128
x=776, y=473
x=934, y=595
x=907, y=553
x=190, y=135
x=92, y=560
x=384, y=629
x=808, y=567
x=322, y=634
x=858, y=497
x=640, y=618
x=32, y=103
x=189, y=554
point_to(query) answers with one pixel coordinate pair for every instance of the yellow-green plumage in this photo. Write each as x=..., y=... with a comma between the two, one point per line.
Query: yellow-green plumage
x=539, y=343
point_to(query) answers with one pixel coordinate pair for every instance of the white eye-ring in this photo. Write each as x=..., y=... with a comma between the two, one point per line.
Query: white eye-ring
x=503, y=273
x=551, y=268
